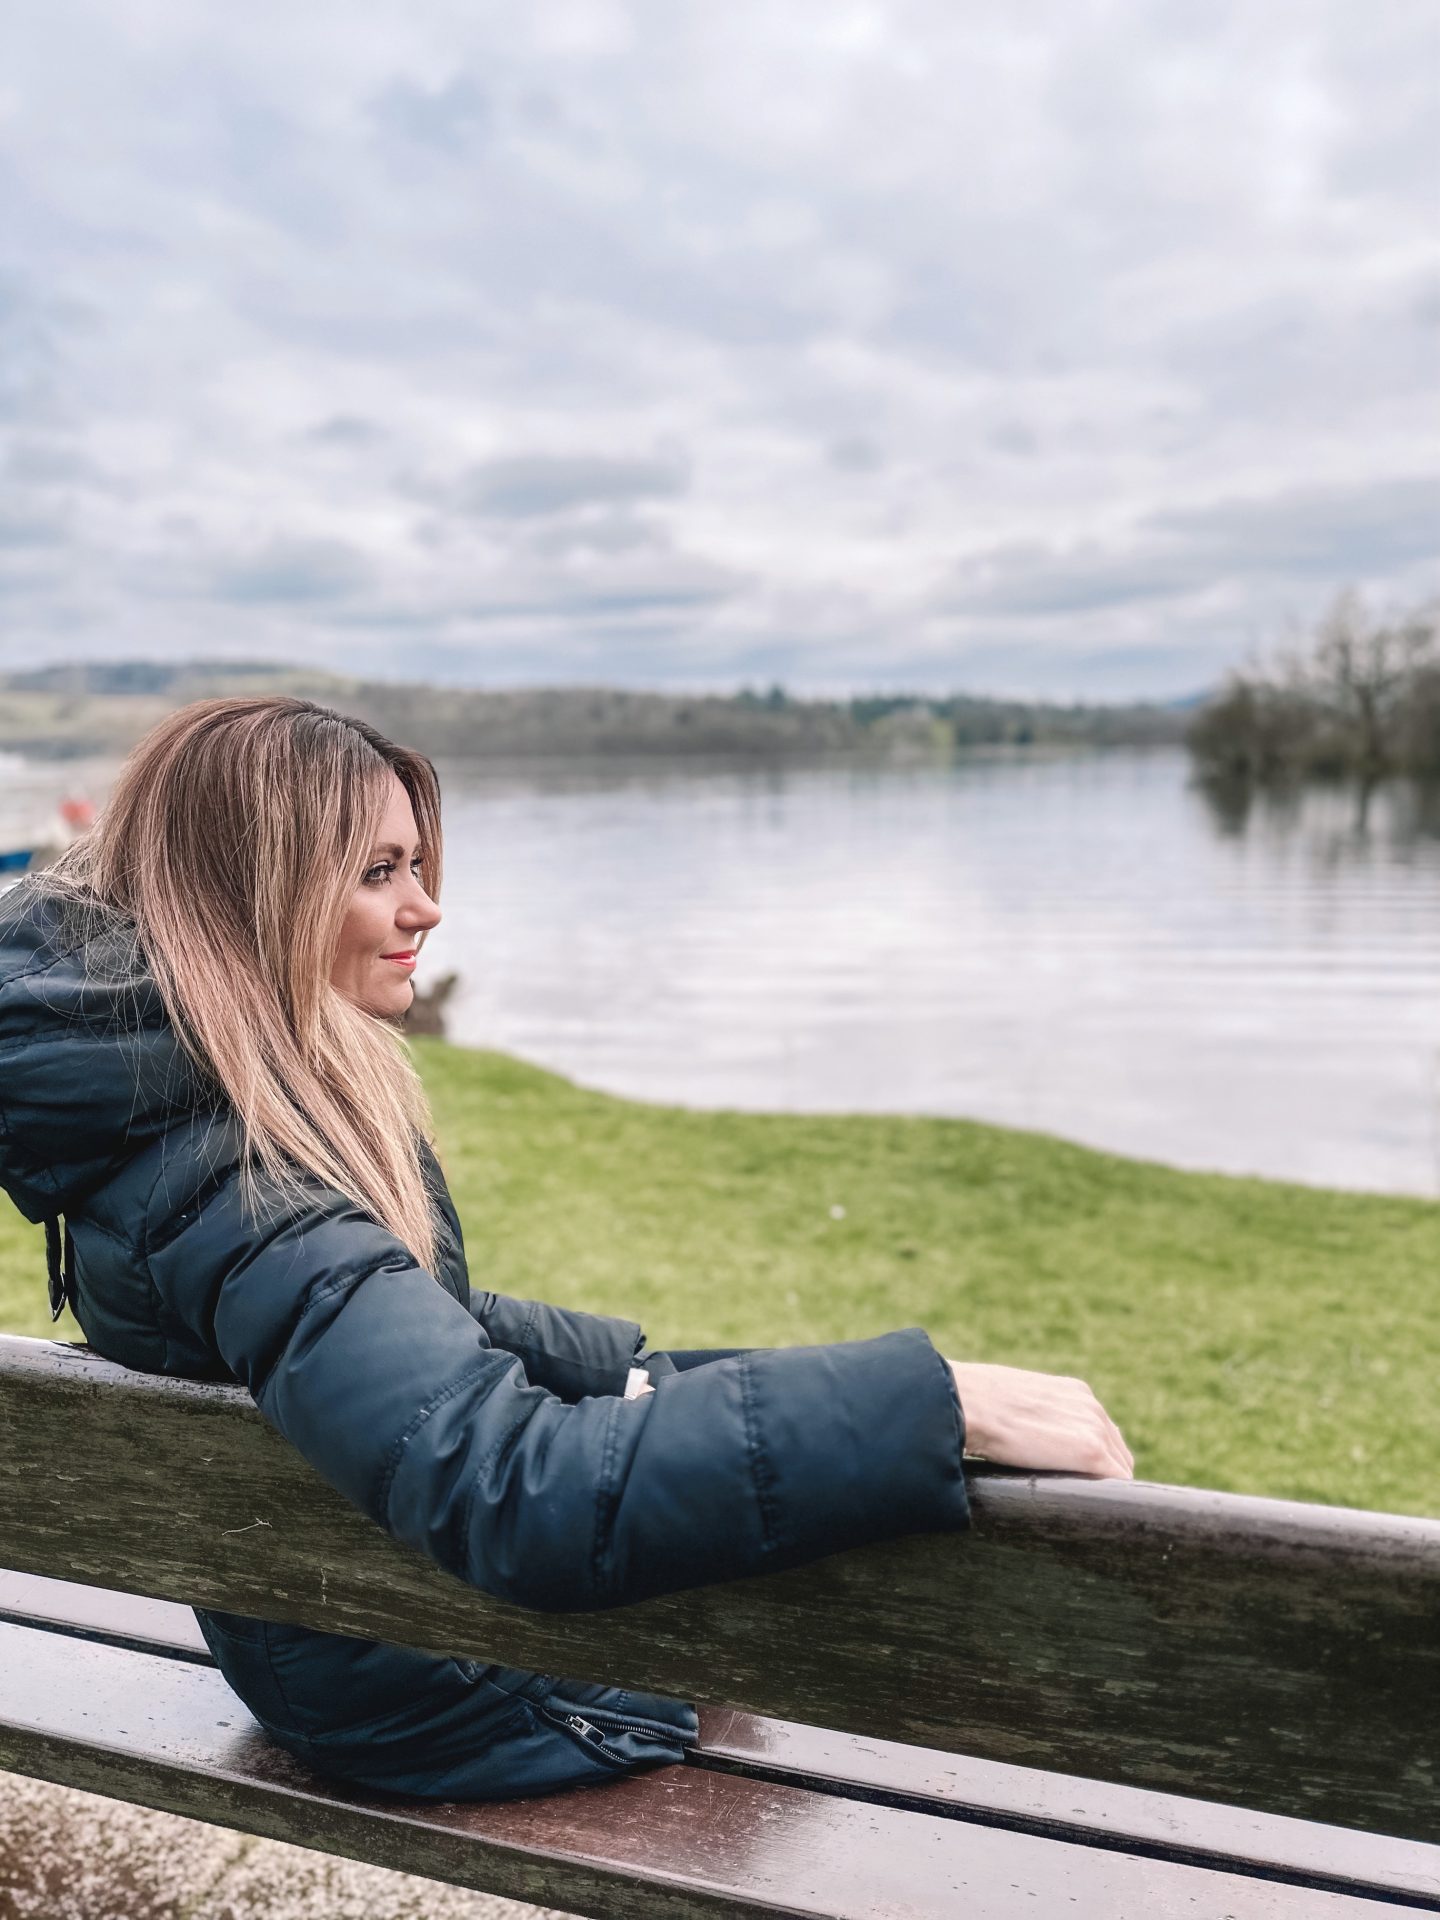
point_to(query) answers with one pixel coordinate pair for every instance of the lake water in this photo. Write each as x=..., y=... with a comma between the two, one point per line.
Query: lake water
x=1081, y=945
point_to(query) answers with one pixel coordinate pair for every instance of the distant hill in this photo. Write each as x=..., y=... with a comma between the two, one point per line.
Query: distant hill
x=105, y=706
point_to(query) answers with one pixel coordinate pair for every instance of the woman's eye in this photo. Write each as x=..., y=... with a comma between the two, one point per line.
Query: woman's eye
x=383, y=871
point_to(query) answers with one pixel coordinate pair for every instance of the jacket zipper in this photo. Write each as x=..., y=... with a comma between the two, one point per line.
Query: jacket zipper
x=586, y=1729
x=593, y=1732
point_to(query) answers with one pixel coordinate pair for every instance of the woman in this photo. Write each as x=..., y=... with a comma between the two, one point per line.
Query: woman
x=202, y=1079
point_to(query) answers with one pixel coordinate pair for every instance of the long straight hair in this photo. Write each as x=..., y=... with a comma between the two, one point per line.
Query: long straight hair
x=228, y=854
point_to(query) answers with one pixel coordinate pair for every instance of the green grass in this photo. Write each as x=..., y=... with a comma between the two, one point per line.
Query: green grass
x=1246, y=1335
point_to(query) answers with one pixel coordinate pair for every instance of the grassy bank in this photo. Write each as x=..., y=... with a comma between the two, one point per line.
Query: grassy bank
x=1247, y=1335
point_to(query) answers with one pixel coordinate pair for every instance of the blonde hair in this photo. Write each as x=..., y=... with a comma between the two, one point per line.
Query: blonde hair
x=228, y=853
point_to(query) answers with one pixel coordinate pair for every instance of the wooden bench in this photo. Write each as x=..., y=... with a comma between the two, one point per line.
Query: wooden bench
x=1105, y=1699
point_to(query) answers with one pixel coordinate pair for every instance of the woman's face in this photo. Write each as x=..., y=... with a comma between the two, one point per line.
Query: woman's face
x=389, y=915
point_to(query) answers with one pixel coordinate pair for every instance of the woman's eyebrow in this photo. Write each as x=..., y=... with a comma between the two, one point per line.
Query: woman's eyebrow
x=394, y=849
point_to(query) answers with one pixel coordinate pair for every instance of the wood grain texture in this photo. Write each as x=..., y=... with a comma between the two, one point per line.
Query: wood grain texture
x=677, y=1843
x=1257, y=1653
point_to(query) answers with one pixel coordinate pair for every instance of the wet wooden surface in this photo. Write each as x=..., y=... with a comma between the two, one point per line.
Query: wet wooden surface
x=1057, y=1804
x=1020, y=1798
x=680, y=1841
x=1258, y=1653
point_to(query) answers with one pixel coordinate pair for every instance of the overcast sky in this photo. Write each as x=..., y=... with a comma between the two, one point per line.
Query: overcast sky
x=1071, y=352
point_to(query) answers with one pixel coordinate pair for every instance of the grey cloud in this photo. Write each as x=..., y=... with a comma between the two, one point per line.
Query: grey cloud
x=294, y=571
x=1026, y=580
x=641, y=587
x=345, y=430
x=1332, y=532
x=46, y=462
x=1310, y=534
x=1180, y=664
x=26, y=530
x=447, y=119
x=569, y=603
x=647, y=599
x=604, y=532
x=1014, y=439
x=855, y=454
x=532, y=485
x=33, y=330
x=30, y=586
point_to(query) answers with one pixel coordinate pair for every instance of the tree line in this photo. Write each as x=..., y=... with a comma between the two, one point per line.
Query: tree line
x=101, y=706
x=1360, y=699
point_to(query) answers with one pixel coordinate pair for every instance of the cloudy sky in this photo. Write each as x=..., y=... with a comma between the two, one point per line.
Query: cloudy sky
x=1076, y=348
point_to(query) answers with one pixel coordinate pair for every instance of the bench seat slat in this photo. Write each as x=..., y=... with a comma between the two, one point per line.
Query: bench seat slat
x=168, y=1733
x=1021, y=1797
x=1060, y=1804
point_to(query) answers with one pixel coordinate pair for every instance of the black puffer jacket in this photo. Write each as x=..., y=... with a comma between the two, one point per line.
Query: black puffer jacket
x=489, y=1432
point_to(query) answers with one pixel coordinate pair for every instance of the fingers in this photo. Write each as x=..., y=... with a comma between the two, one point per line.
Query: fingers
x=1095, y=1444
x=1118, y=1456
x=1101, y=1449
x=1118, y=1459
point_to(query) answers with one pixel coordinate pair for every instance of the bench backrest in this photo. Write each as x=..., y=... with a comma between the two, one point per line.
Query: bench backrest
x=1260, y=1652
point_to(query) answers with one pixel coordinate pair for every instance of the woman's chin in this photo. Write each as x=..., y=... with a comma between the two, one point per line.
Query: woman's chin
x=391, y=1002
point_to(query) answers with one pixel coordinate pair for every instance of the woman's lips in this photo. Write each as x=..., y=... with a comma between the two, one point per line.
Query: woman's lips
x=406, y=960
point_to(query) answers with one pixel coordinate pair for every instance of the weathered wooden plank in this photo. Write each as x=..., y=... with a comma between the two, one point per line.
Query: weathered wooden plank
x=1257, y=1653
x=1055, y=1805
x=1059, y=1805
x=682, y=1842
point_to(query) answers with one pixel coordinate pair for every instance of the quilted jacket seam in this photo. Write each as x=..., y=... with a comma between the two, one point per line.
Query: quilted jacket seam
x=524, y=1342
x=43, y=962
x=149, y=1244
x=397, y=1452
x=325, y=1290
x=761, y=1476
x=605, y=1506
x=92, y=1225
x=178, y=1218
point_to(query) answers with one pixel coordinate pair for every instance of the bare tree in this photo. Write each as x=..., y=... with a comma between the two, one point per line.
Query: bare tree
x=1363, y=668
x=1361, y=698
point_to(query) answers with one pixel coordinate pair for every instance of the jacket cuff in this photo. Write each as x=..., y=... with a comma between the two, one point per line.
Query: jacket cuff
x=855, y=1442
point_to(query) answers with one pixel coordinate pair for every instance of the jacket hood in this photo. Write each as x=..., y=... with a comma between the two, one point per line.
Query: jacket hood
x=90, y=1067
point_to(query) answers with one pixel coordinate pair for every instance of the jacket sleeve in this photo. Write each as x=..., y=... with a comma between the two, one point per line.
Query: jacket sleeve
x=395, y=1393
x=570, y=1353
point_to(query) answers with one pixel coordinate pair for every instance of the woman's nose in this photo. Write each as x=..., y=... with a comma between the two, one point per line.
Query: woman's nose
x=420, y=910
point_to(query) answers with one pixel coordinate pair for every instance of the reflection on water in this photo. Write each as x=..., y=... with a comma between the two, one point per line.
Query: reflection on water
x=1090, y=946
x=1340, y=822
x=1080, y=945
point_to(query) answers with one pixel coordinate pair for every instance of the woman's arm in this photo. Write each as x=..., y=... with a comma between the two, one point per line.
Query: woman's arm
x=397, y=1396
x=568, y=1352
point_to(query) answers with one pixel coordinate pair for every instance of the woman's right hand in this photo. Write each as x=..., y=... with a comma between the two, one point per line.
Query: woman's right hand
x=1022, y=1419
